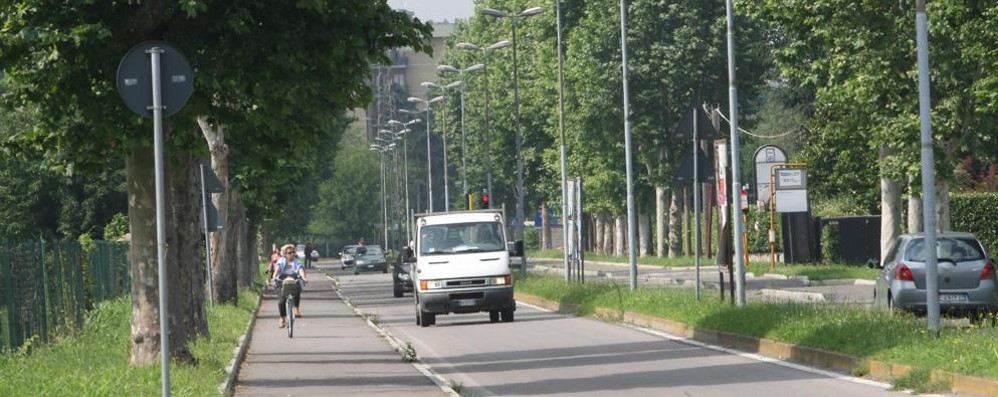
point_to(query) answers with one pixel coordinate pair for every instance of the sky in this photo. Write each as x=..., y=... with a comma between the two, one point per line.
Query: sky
x=436, y=10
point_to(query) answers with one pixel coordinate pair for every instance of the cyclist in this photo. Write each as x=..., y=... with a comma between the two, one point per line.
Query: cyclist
x=289, y=266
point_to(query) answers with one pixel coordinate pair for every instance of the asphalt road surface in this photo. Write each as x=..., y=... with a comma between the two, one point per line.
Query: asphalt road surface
x=549, y=354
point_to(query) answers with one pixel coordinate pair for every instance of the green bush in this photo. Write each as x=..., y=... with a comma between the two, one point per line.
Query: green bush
x=975, y=213
x=532, y=241
x=830, y=243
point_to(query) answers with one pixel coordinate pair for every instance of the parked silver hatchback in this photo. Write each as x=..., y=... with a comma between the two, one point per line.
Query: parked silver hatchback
x=966, y=276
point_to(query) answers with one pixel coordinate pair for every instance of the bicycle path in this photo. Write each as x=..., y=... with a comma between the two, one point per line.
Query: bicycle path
x=333, y=353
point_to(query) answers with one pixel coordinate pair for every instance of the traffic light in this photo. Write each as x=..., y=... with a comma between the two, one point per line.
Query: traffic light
x=485, y=200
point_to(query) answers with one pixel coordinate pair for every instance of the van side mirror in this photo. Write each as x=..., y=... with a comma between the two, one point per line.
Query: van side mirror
x=517, y=248
x=407, y=255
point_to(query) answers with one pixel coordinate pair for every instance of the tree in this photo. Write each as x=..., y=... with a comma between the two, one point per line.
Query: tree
x=316, y=57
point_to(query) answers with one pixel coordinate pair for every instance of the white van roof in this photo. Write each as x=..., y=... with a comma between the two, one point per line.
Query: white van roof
x=438, y=218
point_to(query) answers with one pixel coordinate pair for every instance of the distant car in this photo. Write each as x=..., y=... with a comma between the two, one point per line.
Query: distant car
x=347, y=256
x=966, y=276
x=369, y=258
x=401, y=278
x=300, y=251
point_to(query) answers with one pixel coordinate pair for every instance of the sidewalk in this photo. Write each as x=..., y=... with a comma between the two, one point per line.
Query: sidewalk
x=334, y=352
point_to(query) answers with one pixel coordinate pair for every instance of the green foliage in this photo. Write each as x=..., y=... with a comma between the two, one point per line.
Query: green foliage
x=853, y=330
x=96, y=361
x=830, y=242
x=842, y=205
x=975, y=213
x=117, y=228
x=533, y=238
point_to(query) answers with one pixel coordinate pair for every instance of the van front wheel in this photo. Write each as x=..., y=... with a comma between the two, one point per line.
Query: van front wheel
x=507, y=315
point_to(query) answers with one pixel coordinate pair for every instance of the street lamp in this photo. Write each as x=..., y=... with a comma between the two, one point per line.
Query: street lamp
x=444, y=88
x=485, y=67
x=441, y=69
x=382, y=149
x=405, y=165
x=429, y=153
x=516, y=118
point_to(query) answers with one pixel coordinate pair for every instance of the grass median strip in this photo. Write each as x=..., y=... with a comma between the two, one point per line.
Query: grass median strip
x=96, y=361
x=854, y=330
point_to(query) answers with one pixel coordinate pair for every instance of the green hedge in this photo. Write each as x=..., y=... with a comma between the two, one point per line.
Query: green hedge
x=975, y=213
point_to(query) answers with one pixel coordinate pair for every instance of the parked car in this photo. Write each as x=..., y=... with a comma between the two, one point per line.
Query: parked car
x=401, y=278
x=347, y=256
x=966, y=276
x=369, y=258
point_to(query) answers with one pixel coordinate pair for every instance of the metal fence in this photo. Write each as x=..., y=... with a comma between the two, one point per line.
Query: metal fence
x=47, y=287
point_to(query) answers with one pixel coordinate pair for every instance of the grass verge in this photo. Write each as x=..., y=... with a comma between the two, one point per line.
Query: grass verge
x=822, y=271
x=854, y=330
x=95, y=363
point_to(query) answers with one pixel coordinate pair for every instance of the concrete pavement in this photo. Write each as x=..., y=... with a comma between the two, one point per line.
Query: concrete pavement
x=333, y=353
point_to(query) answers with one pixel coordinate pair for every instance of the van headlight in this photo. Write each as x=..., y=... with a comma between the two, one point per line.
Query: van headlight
x=501, y=280
x=403, y=276
x=430, y=284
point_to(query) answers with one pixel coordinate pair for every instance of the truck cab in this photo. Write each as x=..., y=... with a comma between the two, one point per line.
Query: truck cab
x=461, y=264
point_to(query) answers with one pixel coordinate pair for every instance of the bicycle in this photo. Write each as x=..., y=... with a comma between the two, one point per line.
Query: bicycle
x=288, y=288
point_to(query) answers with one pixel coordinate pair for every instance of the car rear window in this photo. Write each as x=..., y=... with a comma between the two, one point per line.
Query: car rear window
x=954, y=249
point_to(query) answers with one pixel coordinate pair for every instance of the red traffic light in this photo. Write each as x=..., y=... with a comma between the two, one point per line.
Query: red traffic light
x=485, y=198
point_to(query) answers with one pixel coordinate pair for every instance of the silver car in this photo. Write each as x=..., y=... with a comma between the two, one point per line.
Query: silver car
x=966, y=276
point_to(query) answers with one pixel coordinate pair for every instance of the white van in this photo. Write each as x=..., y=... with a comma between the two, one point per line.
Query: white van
x=461, y=265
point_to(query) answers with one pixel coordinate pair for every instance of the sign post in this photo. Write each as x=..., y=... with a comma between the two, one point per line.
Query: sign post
x=145, y=90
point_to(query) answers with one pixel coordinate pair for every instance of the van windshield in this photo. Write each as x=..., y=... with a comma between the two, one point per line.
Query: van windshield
x=459, y=238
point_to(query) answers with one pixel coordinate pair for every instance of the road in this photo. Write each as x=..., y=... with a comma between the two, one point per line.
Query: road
x=544, y=353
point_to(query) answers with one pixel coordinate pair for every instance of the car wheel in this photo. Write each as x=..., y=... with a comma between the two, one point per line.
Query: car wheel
x=355, y=271
x=429, y=319
x=397, y=290
x=493, y=316
x=507, y=315
x=385, y=270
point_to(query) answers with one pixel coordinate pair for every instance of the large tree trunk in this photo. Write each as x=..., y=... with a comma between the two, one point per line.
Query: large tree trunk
x=545, y=227
x=675, y=226
x=661, y=221
x=598, y=225
x=942, y=205
x=914, y=213
x=144, y=263
x=644, y=233
x=890, y=207
x=191, y=258
x=687, y=221
x=608, y=233
x=244, y=247
x=620, y=236
x=223, y=272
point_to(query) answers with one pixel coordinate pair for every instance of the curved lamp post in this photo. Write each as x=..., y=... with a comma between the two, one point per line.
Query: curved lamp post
x=485, y=67
x=513, y=18
x=405, y=165
x=444, y=88
x=441, y=69
x=429, y=153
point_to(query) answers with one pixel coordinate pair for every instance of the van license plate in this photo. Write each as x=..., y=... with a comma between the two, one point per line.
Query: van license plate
x=952, y=297
x=464, y=302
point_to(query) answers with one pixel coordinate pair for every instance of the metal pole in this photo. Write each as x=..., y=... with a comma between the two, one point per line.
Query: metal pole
x=157, y=111
x=736, y=196
x=446, y=169
x=564, y=155
x=405, y=160
x=488, y=139
x=631, y=233
x=696, y=202
x=384, y=200
x=519, y=152
x=207, y=237
x=429, y=160
x=928, y=171
x=464, y=151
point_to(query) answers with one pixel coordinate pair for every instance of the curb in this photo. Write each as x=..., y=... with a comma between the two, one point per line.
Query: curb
x=232, y=370
x=396, y=344
x=810, y=356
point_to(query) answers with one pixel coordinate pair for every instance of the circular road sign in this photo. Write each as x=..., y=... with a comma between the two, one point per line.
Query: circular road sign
x=134, y=79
